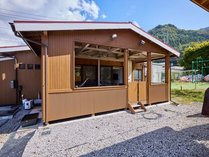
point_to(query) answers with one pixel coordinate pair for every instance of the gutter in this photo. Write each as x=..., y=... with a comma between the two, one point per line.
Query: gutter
x=26, y=40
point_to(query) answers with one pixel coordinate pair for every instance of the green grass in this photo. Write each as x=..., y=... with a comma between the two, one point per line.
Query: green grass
x=186, y=92
x=189, y=85
x=187, y=96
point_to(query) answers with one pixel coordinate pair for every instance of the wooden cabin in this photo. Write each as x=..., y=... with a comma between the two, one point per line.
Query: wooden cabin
x=20, y=72
x=94, y=67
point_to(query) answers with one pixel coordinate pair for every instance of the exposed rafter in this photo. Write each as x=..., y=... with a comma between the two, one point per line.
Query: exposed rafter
x=108, y=50
x=99, y=57
x=204, y=1
x=94, y=51
x=83, y=48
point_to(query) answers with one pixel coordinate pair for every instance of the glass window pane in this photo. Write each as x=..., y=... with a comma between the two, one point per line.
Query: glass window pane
x=137, y=75
x=140, y=75
x=89, y=76
x=77, y=75
x=105, y=76
x=21, y=66
x=30, y=66
x=158, y=72
x=37, y=66
x=118, y=77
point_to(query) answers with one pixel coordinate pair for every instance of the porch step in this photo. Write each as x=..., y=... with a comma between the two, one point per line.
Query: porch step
x=136, y=107
x=138, y=110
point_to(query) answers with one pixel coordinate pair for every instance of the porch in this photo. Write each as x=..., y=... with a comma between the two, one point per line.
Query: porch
x=99, y=66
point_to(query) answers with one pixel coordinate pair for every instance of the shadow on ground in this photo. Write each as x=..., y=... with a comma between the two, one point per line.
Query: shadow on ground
x=162, y=142
x=8, y=126
x=14, y=147
x=198, y=115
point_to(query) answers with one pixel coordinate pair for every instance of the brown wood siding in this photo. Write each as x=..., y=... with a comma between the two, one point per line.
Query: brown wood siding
x=7, y=74
x=158, y=93
x=61, y=49
x=133, y=91
x=78, y=103
x=65, y=102
x=111, y=63
x=60, y=52
x=137, y=91
x=79, y=61
x=30, y=79
x=142, y=91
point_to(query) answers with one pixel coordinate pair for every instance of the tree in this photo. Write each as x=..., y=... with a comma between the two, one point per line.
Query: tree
x=195, y=51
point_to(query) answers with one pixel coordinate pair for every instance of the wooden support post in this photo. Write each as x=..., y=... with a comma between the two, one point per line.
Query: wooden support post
x=44, y=56
x=126, y=67
x=149, y=75
x=167, y=75
x=98, y=72
x=125, y=64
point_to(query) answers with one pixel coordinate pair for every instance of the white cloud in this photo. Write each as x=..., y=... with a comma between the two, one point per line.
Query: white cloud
x=91, y=8
x=136, y=23
x=72, y=10
x=28, y=4
x=104, y=16
x=22, y=4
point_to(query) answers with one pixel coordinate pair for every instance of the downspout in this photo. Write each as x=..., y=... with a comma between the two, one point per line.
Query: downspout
x=45, y=82
x=17, y=34
x=170, y=79
x=17, y=82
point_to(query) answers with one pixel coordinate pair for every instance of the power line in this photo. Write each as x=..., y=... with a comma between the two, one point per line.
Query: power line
x=4, y=28
x=8, y=39
x=26, y=13
x=14, y=16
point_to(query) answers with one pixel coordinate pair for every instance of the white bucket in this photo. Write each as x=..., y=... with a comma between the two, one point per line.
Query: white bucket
x=28, y=105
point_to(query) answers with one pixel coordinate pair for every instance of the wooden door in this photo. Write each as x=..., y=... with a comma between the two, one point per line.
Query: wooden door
x=142, y=90
x=137, y=91
x=7, y=74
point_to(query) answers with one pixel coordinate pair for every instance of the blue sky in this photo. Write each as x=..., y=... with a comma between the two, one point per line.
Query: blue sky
x=150, y=13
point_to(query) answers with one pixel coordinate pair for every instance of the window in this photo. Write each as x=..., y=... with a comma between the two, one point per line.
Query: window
x=21, y=66
x=118, y=77
x=105, y=76
x=90, y=75
x=78, y=75
x=98, y=65
x=111, y=76
x=37, y=66
x=158, y=73
x=137, y=75
x=30, y=66
x=86, y=76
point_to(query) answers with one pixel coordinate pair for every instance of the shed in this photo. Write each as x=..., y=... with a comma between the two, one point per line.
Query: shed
x=94, y=67
x=19, y=74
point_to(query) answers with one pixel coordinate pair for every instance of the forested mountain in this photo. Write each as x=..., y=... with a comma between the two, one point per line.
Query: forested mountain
x=179, y=38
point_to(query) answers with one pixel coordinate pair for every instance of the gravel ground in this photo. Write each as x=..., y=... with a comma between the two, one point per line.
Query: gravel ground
x=164, y=130
x=8, y=126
